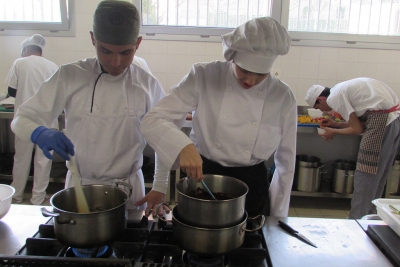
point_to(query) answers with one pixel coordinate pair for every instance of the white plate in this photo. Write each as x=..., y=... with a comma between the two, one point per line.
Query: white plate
x=386, y=213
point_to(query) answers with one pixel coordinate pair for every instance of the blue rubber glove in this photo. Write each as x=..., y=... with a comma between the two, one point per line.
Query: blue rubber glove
x=50, y=139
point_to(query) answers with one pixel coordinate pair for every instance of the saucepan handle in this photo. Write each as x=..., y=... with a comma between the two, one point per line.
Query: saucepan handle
x=47, y=213
x=161, y=218
x=257, y=228
x=126, y=185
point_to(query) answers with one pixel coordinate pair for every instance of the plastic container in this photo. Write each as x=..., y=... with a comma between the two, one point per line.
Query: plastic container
x=386, y=213
x=321, y=131
x=314, y=113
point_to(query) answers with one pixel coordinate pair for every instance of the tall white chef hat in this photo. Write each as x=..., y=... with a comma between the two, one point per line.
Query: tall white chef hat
x=35, y=39
x=313, y=93
x=256, y=44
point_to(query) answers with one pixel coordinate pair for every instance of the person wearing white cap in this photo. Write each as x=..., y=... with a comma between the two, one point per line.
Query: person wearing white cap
x=242, y=115
x=24, y=79
x=371, y=108
x=104, y=99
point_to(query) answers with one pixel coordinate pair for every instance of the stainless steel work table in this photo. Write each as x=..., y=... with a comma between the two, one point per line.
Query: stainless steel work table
x=340, y=242
x=21, y=222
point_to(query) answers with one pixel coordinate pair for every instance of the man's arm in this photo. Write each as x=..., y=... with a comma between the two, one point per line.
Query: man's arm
x=355, y=127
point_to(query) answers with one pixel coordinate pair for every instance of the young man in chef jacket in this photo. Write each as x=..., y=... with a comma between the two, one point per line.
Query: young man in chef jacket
x=242, y=116
x=371, y=108
x=24, y=79
x=104, y=100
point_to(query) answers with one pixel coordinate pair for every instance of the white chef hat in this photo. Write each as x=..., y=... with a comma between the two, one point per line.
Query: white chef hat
x=313, y=93
x=256, y=44
x=35, y=39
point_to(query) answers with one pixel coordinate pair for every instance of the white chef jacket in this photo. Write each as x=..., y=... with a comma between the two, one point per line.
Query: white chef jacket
x=74, y=88
x=360, y=95
x=27, y=74
x=231, y=125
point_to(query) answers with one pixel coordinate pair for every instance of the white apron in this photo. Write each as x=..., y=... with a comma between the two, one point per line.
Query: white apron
x=104, y=149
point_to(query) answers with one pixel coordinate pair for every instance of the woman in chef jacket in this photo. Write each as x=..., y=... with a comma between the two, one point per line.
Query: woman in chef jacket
x=104, y=99
x=242, y=116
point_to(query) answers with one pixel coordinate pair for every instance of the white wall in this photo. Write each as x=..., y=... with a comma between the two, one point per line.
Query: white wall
x=171, y=60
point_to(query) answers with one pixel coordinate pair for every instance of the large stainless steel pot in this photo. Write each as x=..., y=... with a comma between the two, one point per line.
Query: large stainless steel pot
x=209, y=241
x=212, y=213
x=106, y=221
x=307, y=161
x=343, y=177
x=309, y=178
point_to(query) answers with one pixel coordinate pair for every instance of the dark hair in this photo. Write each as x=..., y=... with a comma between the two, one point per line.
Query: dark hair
x=326, y=92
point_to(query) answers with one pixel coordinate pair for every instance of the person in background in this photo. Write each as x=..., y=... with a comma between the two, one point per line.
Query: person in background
x=104, y=100
x=24, y=79
x=371, y=108
x=241, y=116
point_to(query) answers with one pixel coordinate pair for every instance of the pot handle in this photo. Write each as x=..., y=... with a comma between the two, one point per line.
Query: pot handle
x=126, y=185
x=322, y=169
x=161, y=218
x=47, y=213
x=257, y=228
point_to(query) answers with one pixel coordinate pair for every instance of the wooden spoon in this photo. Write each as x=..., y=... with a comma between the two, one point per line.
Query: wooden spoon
x=81, y=202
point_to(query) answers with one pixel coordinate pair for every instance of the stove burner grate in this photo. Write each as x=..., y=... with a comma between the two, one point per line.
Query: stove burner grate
x=205, y=260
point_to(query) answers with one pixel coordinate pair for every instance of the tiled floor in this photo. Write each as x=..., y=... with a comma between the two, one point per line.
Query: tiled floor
x=318, y=207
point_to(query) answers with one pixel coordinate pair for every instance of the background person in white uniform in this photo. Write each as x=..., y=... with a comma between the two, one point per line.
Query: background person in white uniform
x=242, y=116
x=104, y=100
x=24, y=79
x=370, y=108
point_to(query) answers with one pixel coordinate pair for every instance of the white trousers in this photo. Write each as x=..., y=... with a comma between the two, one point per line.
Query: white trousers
x=22, y=164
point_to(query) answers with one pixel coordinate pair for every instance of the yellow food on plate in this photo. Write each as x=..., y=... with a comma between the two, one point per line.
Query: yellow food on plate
x=305, y=119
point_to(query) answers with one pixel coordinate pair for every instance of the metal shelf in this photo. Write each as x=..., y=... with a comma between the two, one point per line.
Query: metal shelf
x=320, y=194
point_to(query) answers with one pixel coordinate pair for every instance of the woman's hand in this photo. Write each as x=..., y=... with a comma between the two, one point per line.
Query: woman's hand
x=191, y=163
x=327, y=123
x=329, y=133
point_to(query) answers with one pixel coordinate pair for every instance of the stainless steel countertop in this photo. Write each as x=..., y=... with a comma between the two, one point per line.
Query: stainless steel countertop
x=340, y=242
x=6, y=115
x=21, y=222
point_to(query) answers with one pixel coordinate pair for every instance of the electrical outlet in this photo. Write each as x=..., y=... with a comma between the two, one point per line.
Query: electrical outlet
x=276, y=72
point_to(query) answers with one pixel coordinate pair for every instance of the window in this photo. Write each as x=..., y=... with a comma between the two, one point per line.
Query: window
x=26, y=15
x=198, y=17
x=337, y=23
x=344, y=21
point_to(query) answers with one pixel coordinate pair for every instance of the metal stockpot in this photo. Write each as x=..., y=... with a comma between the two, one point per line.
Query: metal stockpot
x=343, y=177
x=212, y=213
x=307, y=161
x=309, y=179
x=209, y=241
x=106, y=221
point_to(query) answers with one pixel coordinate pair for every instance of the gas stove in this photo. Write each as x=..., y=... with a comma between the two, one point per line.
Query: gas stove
x=144, y=243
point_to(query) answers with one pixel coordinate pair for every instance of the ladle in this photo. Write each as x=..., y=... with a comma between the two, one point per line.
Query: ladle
x=208, y=190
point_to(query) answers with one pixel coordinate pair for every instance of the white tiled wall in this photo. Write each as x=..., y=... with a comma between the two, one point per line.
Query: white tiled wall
x=171, y=60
